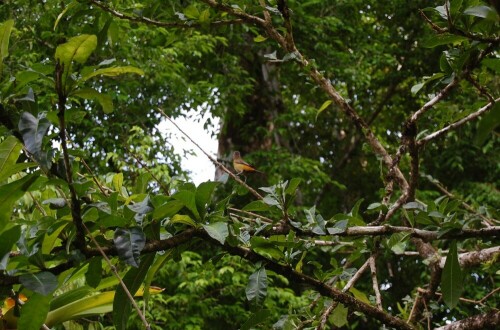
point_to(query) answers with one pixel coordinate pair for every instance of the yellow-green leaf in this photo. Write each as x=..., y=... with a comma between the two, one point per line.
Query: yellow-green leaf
x=323, y=107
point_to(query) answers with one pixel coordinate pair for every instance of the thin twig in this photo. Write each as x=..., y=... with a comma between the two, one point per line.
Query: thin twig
x=141, y=19
x=373, y=272
x=122, y=284
x=144, y=166
x=212, y=159
x=94, y=178
x=456, y=124
x=263, y=218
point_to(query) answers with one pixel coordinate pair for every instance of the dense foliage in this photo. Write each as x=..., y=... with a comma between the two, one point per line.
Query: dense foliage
x=375, y=122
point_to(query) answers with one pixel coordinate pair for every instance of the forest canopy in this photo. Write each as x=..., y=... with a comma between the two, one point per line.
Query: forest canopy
x=373, y=127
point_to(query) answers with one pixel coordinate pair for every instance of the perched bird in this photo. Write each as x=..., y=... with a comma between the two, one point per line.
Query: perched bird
x=241, y=166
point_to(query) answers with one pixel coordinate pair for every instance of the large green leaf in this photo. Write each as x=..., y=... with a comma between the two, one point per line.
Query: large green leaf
x=188, y=198
x=104, y=100
x=256, y=318
x=5, y=30
x=129, y=244
x=94, y=272
x=339, y=316
x=10, y=193
x=33, y=130
x=133, y=280
x=43, y=283
x=77, y=49
x=9, y=152
x=203, y=196
x=218, y=231
x=7, y=239
x=34, y=312
x=452, y=278
x=256, y=290
x=113, y=72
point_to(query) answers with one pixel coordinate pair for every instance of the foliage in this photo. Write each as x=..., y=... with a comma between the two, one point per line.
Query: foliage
x=376, y=124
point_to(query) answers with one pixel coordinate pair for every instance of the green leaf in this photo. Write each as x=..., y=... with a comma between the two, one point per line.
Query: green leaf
x=133, y=280
x=256, y=318
x=256, y=290
x=483, y=12
x=257, y=205
x=487, y=124
x=7, y=239
x=442, y=39
x=77, y=49
x=168, y=209
x=10, y=193
x=94, y=272
x=10, y=149
x=266, y=248
x=52, y=235
x=191, y=12
x=113, y=72
x=323, y=107
x=492, y=63
x=188, y=198
x=292, y=186
x=5, y=31
x=360, y=295
x=259, y=38
x=43, y=283
x=66, y=9
x=204, y=16
x=104, y=100
x=218, y=231
x=339, y=316
x=182, y=218
x=34, y=312
x=452, y=278
x=33, y=130
x=203, y=196
x=129, y=244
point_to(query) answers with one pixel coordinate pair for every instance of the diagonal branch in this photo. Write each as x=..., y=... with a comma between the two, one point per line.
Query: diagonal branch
x=141, y=19
x=456, y=124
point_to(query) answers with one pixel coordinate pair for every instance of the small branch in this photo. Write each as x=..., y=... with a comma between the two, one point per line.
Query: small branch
x=145, y=20
x=122, y=284
x=474, y=258
x=487, y=222
x=439, y=96
x=255, y=215
x=456, y=124
x=488, y=320
x=213, y=160
x=326, y=313
x=373, y=272
x=144, y=166
x=94, y=178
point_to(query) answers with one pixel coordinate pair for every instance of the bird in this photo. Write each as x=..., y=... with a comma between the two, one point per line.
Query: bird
x=241, y=166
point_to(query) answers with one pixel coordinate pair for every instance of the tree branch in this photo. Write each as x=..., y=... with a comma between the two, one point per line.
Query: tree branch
x=456, y=124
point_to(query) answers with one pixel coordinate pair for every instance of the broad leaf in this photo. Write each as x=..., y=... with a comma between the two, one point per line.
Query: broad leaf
x=256, y=318
x=203, y=196
x=113, y=72
x=33, y=130
x=339, y=316
x=77, y=49
x=104, y=100
x=188, y=198
x=34, y=312
x=43, y=283
x=182, y=218
x=5, y=30
x=10, y=149
x=94, y=272
x=7, y=239
x=483, y=12
x=133, y=280
x=10, y=193
x=218, y=231
x=256, y=290
x=129, y=244
x=452, y=278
